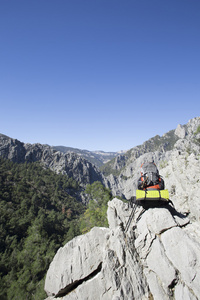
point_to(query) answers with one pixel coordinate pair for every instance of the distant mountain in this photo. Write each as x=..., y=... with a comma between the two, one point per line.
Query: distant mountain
x=98, y=158
x=75, y=166
x=158, y=143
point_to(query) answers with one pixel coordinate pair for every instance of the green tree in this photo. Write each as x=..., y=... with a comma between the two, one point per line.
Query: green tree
x=33, y=225
x=96, y=214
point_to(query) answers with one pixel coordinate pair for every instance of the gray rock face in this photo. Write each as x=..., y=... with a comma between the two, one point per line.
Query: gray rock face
x=157, y=258
x=182, y=178
x=179, y=166
x=71, y=164
x=74, y=263
x=180, y=131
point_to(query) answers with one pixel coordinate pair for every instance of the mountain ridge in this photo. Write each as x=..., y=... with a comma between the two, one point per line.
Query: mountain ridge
x=164, y=143
x=119, y=174
x=98, y=158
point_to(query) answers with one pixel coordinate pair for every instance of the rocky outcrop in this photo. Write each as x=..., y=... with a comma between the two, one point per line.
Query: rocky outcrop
x=157, y=258
x=180, y=131
x=70, y=163
x=180, y=168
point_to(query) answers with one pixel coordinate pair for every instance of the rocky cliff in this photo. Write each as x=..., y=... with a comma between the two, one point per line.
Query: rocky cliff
x=179, y=166
x=67, y=163
x=157, y=258
x=184, y=137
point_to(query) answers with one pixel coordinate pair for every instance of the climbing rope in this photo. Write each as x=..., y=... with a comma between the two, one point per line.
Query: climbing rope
x=134, y=206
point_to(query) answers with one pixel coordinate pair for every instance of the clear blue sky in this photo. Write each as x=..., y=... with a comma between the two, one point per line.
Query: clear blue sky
x=98, y=74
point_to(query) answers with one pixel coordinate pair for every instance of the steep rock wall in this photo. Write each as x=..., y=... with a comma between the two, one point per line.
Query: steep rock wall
x=70, y=163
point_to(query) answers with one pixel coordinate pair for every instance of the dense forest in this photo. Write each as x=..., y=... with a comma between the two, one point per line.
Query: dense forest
x=39, y=213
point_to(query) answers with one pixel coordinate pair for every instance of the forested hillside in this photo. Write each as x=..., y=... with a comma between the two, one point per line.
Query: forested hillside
x=38, y=214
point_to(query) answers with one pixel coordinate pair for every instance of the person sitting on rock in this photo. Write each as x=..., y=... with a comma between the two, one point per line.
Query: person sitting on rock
x=150, y=178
